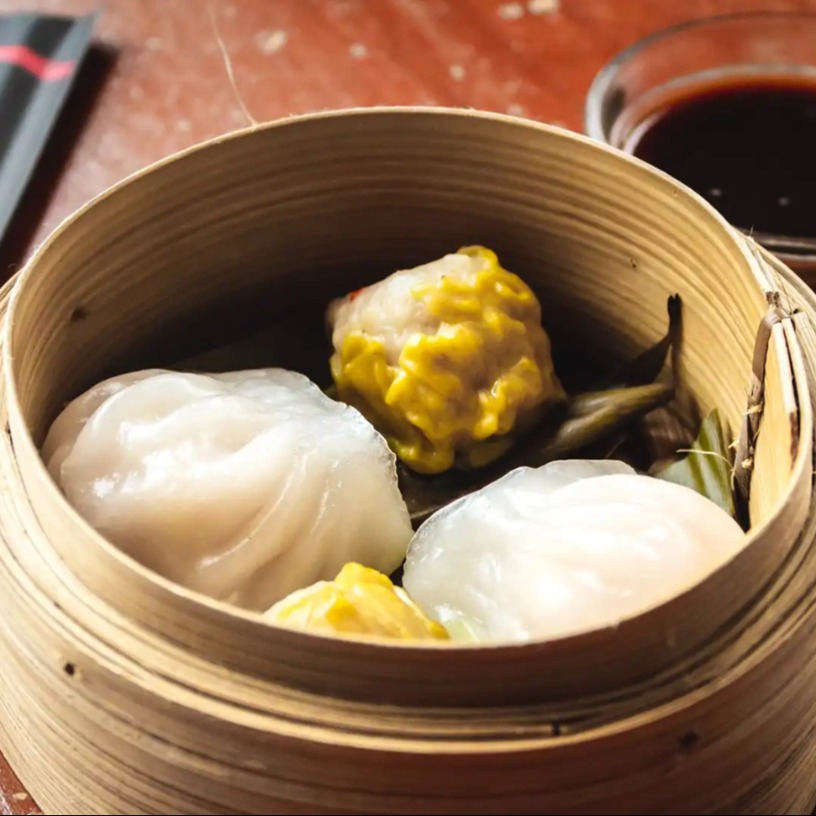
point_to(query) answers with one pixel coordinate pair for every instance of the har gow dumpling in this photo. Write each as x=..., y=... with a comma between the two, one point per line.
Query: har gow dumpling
x=572, y=546
x=244, y=486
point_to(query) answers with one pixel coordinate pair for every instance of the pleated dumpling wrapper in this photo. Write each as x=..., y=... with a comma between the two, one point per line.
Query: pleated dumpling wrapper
x=571, y=546
x=244, y=486
x=446, y=359
x=359, y=601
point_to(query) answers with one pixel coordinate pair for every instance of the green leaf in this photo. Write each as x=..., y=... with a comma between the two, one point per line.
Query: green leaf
x=706, y=467
x=587, y=418
x=466, y=630
x=646, y=367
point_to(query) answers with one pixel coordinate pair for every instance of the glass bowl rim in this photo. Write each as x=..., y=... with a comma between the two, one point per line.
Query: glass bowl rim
x=788, y=248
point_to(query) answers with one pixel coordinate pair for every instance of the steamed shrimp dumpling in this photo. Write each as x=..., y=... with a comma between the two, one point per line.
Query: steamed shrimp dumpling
x=447, y=359
x=565, y=548
x=245, y=486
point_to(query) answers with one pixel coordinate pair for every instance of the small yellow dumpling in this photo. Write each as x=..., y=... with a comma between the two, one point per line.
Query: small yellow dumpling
x=445, y=360
x=359, y=601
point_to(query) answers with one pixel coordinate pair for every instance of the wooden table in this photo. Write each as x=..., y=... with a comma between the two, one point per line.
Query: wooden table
x=159, y=83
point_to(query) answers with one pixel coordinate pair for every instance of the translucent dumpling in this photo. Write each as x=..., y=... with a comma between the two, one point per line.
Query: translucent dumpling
x=568, y=547
x=446, y=359
x=245, y=486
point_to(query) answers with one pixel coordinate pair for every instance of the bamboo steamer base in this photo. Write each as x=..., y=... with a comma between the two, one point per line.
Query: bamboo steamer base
x=123, y=705
x=743, y=742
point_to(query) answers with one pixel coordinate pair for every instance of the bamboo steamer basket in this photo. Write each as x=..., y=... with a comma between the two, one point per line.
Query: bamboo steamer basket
x=123, y=693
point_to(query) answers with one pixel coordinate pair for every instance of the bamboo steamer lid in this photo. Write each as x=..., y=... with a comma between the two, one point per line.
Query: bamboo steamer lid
x=123, y=693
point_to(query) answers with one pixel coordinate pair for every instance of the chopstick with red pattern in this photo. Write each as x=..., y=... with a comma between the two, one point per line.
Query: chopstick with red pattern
x=39, y=59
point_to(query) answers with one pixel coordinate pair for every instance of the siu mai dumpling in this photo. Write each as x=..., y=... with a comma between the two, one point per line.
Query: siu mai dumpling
x=568, y=547
x=245, y=486
x=447, y=359
x=359, y=601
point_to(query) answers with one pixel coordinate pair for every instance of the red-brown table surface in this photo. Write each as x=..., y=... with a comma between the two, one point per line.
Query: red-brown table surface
x=164, y=85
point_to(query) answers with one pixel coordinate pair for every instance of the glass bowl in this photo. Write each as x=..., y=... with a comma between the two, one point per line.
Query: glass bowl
x=699, y=53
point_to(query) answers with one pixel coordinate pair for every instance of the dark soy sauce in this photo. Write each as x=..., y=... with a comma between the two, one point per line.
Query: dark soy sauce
x=749, y=148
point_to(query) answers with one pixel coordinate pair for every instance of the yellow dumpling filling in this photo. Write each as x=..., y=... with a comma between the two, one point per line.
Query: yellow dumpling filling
x=476, y=367
x=360, y=601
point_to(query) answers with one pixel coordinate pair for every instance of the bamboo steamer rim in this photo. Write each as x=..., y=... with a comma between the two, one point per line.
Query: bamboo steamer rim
x=23, y=441
x=795, y=797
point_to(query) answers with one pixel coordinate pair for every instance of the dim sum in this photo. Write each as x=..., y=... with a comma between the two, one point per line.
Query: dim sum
x=446, y=359
x=359, y=601
x=564, y=548
x=244, y=486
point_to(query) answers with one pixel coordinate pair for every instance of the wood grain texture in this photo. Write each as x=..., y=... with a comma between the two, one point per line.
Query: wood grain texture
x=166, y=87
x=160, y=85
